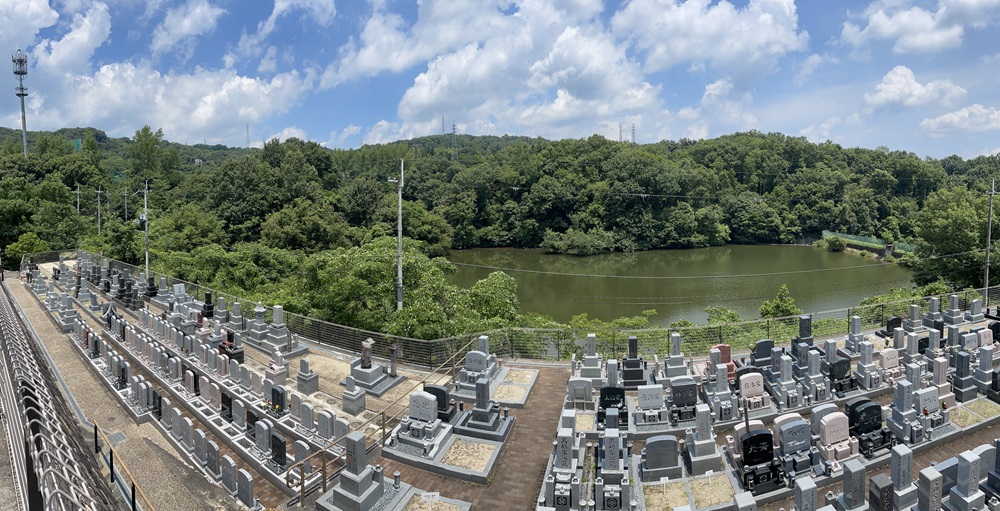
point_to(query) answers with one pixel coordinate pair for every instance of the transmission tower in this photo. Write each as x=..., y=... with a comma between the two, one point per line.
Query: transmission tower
x=633, y=133
x=20, y=60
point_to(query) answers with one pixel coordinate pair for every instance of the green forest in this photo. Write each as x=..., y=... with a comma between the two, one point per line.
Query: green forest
x=313, y=229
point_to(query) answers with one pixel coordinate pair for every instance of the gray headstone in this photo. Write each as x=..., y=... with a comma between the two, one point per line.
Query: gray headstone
x=357, y=455
x=902, y=467
x=228, y=473
x=967, y=482
x=200, y=445
x=212, y=456
x=244, y=482
x=612, y=373
x=475, y=361
x=661, y=451
x=324, y=424
x=564, y=449
x=341, y=427
x=591, y=345
x=805, y=494
x=795, y=436
x=423, y=406
x=854, y=483
x=651, y=396
x=930, y=485
x=612, y=449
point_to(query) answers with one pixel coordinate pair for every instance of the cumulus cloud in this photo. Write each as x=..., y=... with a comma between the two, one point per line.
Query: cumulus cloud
x=337, y=139
x=821, y=132
x=21, y=20
x=744, y=40
x=900, y=87
x=73, y=52
x=915, y=29
x=270, y=61
x=182, y=25
x=974, y=118
x=211, y=105
x=320, y=12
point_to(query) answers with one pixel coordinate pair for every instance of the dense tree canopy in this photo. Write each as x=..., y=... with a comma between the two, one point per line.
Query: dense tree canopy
x=314, y=228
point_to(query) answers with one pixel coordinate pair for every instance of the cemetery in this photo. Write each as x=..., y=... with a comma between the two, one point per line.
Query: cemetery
x=265, y=413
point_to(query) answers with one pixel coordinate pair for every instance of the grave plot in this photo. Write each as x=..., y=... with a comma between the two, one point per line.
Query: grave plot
x=423, y=440
x=509, y=386
x=363, y=487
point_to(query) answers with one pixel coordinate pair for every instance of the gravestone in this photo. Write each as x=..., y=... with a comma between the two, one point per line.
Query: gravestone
x=701, y=453
x=307, y=380
x=228, y=469
x=244, y=483
x=445, y=407
x=930, y=486
x=964, y=385
x=904, y=492
x=966, y=495
x=660, y=459
x=360, y=485
x=353, y=397
x=324, y=424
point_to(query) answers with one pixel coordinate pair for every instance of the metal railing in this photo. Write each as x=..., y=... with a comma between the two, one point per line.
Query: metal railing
x=117, y=469
x=562, y=343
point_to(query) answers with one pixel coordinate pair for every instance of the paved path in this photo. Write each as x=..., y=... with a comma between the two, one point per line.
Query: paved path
x=517, y=477
x=168, y=482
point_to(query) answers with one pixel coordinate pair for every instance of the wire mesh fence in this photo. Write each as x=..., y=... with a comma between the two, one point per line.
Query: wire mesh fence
x=872, y=241
x=562, y=343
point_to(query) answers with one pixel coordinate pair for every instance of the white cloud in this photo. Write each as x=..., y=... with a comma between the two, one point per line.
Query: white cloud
x=337, y=139
x=915, y=29
x=822, y=132
x=289, y=132
x=973, y=118
x=203, y=105
x=809, y=66
x=73, y=52
x=182, y=25
x=900, y=87
x=320, y=12
x=746, y=40
x=387, y=44
x=21, y=20
x=270, y=61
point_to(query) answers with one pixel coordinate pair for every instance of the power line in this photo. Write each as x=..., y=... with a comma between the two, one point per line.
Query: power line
x=690, y=277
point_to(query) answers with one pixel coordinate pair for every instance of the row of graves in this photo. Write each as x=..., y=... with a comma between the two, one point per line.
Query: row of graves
x=817, y=398
x=969, y=481
x=264, y=422
x=442, y=422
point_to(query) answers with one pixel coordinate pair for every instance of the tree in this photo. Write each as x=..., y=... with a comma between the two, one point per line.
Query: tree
x=306, y=226
x=952, y=231
x=782, y=306
x=145, y=152
x=185, y=228
x=718, y=315
x=91, y=149
x=27, y=243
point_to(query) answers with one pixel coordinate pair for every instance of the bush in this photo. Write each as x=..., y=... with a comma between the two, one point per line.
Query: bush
x=835, y=243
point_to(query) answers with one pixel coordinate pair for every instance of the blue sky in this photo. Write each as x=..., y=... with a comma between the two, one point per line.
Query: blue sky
x=914, y=75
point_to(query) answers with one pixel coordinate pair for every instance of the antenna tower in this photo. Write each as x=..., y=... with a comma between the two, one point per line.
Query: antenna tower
x=248, y=135
x=454, y=140
x=20, y=60
x=633, y=133
x=620, y=132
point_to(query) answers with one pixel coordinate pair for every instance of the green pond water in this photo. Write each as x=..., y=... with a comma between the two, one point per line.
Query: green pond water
x=679, y=284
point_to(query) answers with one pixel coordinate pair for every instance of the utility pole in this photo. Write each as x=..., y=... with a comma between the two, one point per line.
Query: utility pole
x=145, y=221
x=125, y=193
x=399, y=237
x=989, y=234
x=99, y=192
x=78, y=198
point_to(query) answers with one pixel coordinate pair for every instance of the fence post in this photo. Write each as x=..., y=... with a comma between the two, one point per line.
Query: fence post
x=111, y=455
x=768, y=328
x=97, y=443
x=133, y=495
x=881, y=314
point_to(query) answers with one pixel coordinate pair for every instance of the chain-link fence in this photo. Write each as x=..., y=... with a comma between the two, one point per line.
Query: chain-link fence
x=872, y=241
x=562, y=343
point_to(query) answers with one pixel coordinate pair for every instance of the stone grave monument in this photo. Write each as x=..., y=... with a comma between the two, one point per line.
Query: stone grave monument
x=701, y=453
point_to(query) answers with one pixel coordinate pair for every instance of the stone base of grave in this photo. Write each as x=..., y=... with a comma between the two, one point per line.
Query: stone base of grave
x=338, y=499
x=966, y=394
x=268, y=348
x=354, y=402
x=65, y=324
x=278, y=376
x=700, y=461
x=652, y=475
x=411, y=456
x=461, y=393
x=466, y=426
x=307, y=383
x=372, y=380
